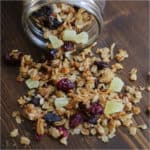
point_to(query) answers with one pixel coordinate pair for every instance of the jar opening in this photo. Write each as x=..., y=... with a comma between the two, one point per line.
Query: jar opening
x=50, y=18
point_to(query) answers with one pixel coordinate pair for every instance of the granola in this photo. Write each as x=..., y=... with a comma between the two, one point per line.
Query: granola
x=63, y=25
x=78, y=94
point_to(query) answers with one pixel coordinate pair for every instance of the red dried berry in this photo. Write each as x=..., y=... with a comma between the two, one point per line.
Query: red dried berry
x=75, y=120
x=65, y=84
x=96, y=109
x=63, y=131
x=68, y=46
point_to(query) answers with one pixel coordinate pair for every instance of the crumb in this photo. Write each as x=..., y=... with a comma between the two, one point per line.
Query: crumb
x=14, y=133
x=24, y=140
x=133, y=74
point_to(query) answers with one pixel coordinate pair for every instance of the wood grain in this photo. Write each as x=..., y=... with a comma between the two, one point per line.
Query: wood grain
x=126, y=24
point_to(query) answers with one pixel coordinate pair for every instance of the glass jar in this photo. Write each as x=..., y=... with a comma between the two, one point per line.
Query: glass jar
x=95, y=7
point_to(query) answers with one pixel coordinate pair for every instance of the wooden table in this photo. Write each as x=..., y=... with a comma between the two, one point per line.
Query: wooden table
x=126, y=24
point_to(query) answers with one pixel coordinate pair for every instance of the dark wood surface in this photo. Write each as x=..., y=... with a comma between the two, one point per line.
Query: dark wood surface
x=126, y=24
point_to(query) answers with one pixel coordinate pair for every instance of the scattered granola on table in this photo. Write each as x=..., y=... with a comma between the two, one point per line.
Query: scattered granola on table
x=80, y=93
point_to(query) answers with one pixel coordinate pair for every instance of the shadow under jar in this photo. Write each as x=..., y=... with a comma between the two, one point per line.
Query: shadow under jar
x=36, y=32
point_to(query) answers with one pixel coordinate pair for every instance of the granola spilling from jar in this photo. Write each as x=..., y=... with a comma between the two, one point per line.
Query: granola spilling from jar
x=80, y=93
x=62, y=23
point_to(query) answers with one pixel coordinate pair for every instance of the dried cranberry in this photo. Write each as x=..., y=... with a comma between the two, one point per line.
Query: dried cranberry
x=68, y=46
x=35, y=101
x=96, y=109
x=75, y=120
x=11, y=60
x=65, y=84
x=63, y=131
x=101, y=65
x=51, y=117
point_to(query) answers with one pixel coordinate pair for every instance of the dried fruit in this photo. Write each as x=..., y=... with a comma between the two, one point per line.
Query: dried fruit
x=51, y=54
x=65, y=84
x=113, y=107
x=69, y=35
x=31, y=84
x=35, y=101
x=82, y=38
x=56, y=43
x=43, y=11
x=116, y=84
x=75, y=120
x=96, y=109
x=51, y=117
x=63, y=131
x=53, y=23
x=68, y=46
x=61, y=102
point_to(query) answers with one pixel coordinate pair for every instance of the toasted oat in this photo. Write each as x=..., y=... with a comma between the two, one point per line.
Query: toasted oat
x=14, y=133
x=133, y=130
x=122, y=54
x=24, y=140
x=40, y=126
x=142, y=126
x=116, y=67
x=133, y=74
x=136, y=110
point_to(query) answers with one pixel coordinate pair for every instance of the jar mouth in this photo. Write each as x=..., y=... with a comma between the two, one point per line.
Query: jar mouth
x=36, y=34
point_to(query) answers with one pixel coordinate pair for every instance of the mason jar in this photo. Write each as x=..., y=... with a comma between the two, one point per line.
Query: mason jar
x=95, y=7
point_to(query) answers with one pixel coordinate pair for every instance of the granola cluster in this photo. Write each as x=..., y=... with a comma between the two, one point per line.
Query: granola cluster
x=80, y=93
x=62, y=22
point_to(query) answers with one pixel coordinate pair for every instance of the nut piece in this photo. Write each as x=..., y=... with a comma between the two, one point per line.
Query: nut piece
x=133, y=130
x=14, y=133
x=142, y=126
x=40, y=126
x=54, y=132
x=24, y=140
x=121, y=55
x=133, y=74
x=64, y=140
